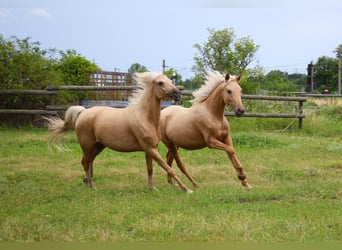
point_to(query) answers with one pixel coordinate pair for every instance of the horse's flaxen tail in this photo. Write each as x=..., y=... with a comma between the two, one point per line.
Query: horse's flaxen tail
x=58, y=128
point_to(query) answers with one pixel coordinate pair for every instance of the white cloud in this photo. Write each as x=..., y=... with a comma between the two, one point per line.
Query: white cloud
x=40, y=12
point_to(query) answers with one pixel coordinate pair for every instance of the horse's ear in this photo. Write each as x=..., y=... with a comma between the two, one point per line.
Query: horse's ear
x=238, y=78
x=227, y=77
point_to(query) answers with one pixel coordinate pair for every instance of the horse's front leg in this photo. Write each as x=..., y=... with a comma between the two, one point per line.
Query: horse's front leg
x=149, y=165
x=169, y=160
x=227, y=146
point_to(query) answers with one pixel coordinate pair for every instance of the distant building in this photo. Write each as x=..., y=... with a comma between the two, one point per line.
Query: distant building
x=112, y=78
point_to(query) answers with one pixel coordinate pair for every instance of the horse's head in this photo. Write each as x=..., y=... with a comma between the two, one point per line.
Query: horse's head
x=232, y=94
x=164, y=88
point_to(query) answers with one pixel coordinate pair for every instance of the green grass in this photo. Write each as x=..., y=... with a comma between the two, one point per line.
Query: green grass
x=296, y=196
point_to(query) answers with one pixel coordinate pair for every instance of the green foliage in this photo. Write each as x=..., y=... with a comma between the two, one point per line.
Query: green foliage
x=173, y=74
x=324, y=121
x=224, y=53
x=325, y=77
x=136, y=67
x=251, y=80
x=75, y=69
x=338, y=51
x=194, y=83
x=24, y=65
x=278, y=81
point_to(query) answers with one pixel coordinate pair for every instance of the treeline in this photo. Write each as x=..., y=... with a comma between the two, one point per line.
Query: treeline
x=25, y=65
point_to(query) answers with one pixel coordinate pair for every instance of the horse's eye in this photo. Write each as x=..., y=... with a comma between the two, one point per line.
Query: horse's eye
x=229, y=92
x=160, y=83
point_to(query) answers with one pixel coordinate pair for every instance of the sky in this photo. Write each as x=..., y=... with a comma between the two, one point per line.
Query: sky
x=116, y=34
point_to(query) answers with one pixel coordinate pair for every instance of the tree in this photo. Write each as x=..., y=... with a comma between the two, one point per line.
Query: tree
x=224, y=53
x=298, y=79
x=338, y=51
x=173, y=74
x=75, y=68
x=24, y=65
x=251, y=84
x=326, y=69
x=277, y=80
x=136, y=67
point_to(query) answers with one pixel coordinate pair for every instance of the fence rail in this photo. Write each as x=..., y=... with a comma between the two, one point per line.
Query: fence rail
x=52, y=108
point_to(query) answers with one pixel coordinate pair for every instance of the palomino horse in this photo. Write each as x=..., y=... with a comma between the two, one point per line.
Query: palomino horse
x=203, y=124
x=134, y=128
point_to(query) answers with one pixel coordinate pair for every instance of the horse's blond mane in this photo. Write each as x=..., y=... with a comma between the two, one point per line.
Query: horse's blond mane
x=212, y=80
x=142, y=82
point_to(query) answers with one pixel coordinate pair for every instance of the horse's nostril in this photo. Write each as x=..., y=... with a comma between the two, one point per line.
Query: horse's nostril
x=240, y=112
x=176, y=95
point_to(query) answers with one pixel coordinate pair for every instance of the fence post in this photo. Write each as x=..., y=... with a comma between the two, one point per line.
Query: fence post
x=52, y=96
x=300, y=121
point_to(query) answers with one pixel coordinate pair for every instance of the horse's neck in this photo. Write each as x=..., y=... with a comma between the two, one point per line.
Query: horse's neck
x=150, y=107
x=215, y=102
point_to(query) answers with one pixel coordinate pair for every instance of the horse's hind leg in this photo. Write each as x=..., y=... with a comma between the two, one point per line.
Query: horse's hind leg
x=169, y=160
x=87, y=166
x=150, y=172
x=87, y=162
x=173, y=154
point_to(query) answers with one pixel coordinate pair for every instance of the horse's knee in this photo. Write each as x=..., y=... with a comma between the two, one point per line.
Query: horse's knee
x=171, y=172
x=170, y=179
x=231, y=151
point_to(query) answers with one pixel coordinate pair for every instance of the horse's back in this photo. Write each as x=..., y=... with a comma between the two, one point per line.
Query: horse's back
x=99, y=116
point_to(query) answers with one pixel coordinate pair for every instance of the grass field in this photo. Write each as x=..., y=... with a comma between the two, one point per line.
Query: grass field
x=296, y=196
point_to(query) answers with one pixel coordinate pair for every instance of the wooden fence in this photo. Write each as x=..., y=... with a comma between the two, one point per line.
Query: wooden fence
x=299, y=114
x=52, y=108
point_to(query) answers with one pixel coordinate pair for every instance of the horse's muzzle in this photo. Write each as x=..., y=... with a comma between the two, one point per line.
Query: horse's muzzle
x=175, y=95
x=239, y=112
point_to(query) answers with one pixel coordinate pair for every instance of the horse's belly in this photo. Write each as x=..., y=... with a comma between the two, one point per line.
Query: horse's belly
x=124, y=148
x=121, y=142
x=187, y=137
x=189, y=143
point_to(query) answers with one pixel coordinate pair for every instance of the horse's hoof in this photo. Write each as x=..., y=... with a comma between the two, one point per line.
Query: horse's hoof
x=189, y=191
x=153, y=188
x=247, y=186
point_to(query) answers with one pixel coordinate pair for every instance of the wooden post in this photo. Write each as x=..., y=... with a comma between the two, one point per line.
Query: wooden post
x=52, y=95
x=300, y=121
